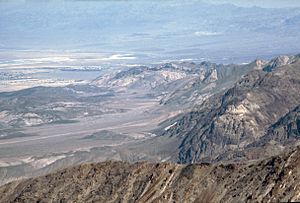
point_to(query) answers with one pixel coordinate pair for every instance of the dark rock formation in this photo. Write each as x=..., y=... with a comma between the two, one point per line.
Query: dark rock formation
x=240, y=116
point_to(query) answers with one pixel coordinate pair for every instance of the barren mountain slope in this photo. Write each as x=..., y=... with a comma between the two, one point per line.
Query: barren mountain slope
x=213, y=78
x=285, y=130
x=146, y=78
x=178, y=82
x=238, y=117
x=273, y=180
x=44, y=105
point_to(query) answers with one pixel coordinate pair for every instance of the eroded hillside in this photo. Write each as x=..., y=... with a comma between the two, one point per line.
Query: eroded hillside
x=272, y=180
x=242, y=115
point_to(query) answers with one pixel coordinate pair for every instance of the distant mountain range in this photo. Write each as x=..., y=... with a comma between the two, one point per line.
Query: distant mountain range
x=152, y=31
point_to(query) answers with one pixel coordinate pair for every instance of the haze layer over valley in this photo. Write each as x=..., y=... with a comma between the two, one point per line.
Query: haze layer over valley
x=51, y=42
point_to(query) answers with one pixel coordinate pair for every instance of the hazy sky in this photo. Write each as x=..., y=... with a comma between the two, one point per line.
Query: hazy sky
x=261, y=3
x=153, y=28
x=243, y=3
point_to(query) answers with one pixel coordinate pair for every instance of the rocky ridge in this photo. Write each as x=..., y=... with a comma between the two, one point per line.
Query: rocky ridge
x=240, y=116
x=272, y=180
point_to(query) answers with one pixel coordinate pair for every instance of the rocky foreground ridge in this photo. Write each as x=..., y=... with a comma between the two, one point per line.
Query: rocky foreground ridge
x=272, y=180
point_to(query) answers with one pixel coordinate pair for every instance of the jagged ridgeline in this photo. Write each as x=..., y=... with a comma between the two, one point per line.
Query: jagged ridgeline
x=260, y=108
